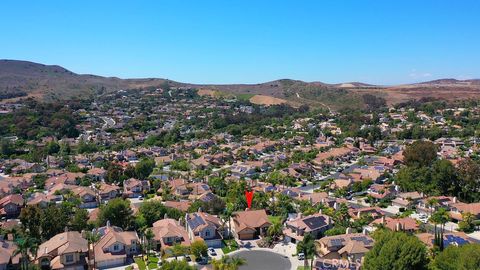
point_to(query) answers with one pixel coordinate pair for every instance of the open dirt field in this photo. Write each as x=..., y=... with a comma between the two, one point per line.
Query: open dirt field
x=266, y=100
x=206, y=92
x=394, y=95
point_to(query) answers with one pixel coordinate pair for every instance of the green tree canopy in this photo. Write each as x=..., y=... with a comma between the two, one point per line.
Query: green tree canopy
x=420, y=153
x=118, y=212
x=465, y=257
x=396, y=251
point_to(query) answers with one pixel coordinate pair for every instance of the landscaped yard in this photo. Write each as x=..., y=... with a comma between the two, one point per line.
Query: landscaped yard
x=140, y=263
x=152, y=263
x=229, y=246
x=272, y=219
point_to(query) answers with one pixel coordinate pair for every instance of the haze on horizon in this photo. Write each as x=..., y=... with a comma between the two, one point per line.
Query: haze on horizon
x=248, y=41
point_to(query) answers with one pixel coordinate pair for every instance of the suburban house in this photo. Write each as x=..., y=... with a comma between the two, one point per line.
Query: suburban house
x=7, y=259
x=380, y=192
x=407, y=199
x=133, y=188
x=181, y=205
x=449, y=238
x=107, y=192
x=11, y=205
x=334, y=156
x=315, y=225
x=250, y=224
x=115, y=247
x=406, y=224
x=87, y=197
x=424, y=206
x=97, y=174
x=374, y=212
x=68, y=250
x=205, y=226
x=459, y=208
x=350, y=247
x=167, y=233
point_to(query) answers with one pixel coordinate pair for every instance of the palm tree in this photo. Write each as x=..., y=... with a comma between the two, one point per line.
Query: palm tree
x=307, y=246
x=275, y=230
x=25, y=245
x=92, y=238
x=227, y=215
x=439, y=217
x=431, y=203
x=149, y=236
x=228, y=263
x=236, y=262
x=221, y=263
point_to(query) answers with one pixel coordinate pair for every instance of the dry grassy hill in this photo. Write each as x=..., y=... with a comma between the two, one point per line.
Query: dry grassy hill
x=21, y=78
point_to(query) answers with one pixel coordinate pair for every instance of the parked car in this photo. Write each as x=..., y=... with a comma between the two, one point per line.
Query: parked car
x=212, y=252
x=301, y=256
x=202, y=260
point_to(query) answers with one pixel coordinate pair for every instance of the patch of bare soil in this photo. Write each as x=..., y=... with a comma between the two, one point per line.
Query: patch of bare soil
x=266, y=100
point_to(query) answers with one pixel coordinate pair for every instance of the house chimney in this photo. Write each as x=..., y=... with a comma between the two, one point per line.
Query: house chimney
x=398, y=227
x=349, y=230
x=320, y=211
x=300, y=215
x=454, y=199
x=383, y=220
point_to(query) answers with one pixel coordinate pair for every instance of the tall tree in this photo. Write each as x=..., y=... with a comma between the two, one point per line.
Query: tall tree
x=118, y=212
x=144, y=168
x=199, y=248
x=26, y=245
x=420, y=153
x=465, y=257
x=275, y=230
x=469, y=172
x=307, y=246
x=396, y=251
x=30, y=217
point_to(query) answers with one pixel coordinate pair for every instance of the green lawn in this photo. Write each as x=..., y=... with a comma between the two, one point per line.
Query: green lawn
x=272, y=219
x=229, y=246
x=152, y=263
x=140, y=263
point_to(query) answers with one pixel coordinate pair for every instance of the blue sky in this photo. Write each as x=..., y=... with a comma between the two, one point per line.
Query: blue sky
x=381, y=42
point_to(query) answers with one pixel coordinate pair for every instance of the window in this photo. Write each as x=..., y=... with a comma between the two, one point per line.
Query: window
x=69, y=258
x=207, y=233
x=116, y=247
x=45, y=262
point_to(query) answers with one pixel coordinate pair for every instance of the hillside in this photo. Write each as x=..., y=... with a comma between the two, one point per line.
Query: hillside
x=19, y=79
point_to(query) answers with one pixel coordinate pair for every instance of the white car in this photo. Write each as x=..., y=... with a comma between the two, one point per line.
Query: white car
x=212, y=252
x=301, y=256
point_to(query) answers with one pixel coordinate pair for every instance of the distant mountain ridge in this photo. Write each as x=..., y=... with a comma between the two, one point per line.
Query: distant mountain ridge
x=36, y=80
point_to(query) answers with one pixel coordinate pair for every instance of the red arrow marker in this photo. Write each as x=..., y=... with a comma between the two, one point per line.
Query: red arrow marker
x=249, y=197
